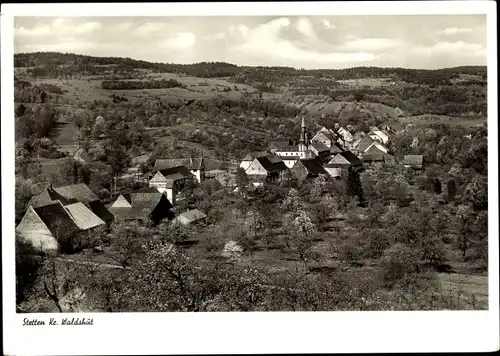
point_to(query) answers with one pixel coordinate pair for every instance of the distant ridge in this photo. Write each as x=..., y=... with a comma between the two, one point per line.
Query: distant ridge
x=32, y=59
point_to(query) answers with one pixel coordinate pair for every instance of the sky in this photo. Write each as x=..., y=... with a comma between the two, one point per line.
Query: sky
x=409, y=41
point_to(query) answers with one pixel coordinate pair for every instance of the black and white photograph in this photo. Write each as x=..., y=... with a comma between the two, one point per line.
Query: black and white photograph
x=184, y=164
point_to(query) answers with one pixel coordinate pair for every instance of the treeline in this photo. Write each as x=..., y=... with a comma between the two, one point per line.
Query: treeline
x=138, y=85
x=52, y=63
x=37, y=122
x=25, y=92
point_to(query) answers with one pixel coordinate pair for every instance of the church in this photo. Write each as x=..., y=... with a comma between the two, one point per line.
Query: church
x=290, y=154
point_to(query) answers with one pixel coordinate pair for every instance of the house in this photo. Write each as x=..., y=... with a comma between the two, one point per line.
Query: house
x=363, y=144
x=378, y=135
x=70, y=194
x=345, y=160
x=143, y=206
x=325, y=136
x=375, y=153
x=57, y=228
x=267, y=168
x=290, y=161
x=346, y=137
x=308, y=169
x=191, y=217
x=249, y=158
x=171, y=181
x=293, y=151
x=320, y=149
x=333, y=170
x=413, y=161
x=278, y=143
x=195, y=165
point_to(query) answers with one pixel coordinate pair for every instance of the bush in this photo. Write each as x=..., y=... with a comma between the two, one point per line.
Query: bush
x=350, y=252
x=397, y=262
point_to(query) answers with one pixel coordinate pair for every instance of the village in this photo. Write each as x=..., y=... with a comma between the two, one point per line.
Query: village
x=62, y=219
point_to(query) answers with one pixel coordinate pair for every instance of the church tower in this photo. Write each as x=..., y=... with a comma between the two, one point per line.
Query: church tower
x=304, y=140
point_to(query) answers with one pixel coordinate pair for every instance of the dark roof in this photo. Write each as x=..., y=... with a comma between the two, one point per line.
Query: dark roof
x=280, y=142
x=269, y=166
x=374, y=157
x=182, y=170
x=143, y=190
x=253, y=155
x=328, y=134
x=48, y=196
x=100, y=210
x=80, y=192
x=313, y=166
x=143, y=205
x=320, y=147
x=57, y=219
x=351, y=157
x=365, y=143
x=336, y=148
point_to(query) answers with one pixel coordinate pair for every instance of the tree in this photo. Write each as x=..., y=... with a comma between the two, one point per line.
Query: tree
x=451, y=189
x=437, y=186
x=398, y=261
x=117, y=157
x=476, y=192
x=125, y=242
x=242, y=181
x=465, y=235
x=301, y=233
x=354, y=187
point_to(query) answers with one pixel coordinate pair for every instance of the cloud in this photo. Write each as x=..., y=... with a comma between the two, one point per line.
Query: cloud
x=328, y=25
x=38, y=31
x=216, y=36
x=370, y=44
x=181, y=41
x=304, y=26
x=454, y=30
x=265, y=41
x=149, y=28
x=88, y=27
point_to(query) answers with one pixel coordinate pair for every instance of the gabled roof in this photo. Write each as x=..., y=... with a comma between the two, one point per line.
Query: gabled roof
x=274, y=158
x=379, y=134
x=348, y=157
x=364, y=143
x=335, y=148
x=253, y=155
x=320, y=147
x=169, y=182
x=178, y=172
x=376, y=147
x=57, y=219
x=270, y=166
x=143, y=205
x=313, y=166
x=84, y=218
x=190, y=163
x=48, y=196
x=279, y=142
x=326, y=133
x=191, y=216
x=413, y=160
x=80, y=192
x=100, y=210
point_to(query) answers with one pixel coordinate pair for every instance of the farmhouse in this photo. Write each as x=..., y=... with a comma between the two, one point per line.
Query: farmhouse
x=143, y=206
x=378, y=135
x=70, y=194
x=308, y=169
x=267, y=168
x=346, y=159
x=57, y=228
x=325, y=136
x=195, y=165
x=249, y=158
x=278, y=143
x=170, y=181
